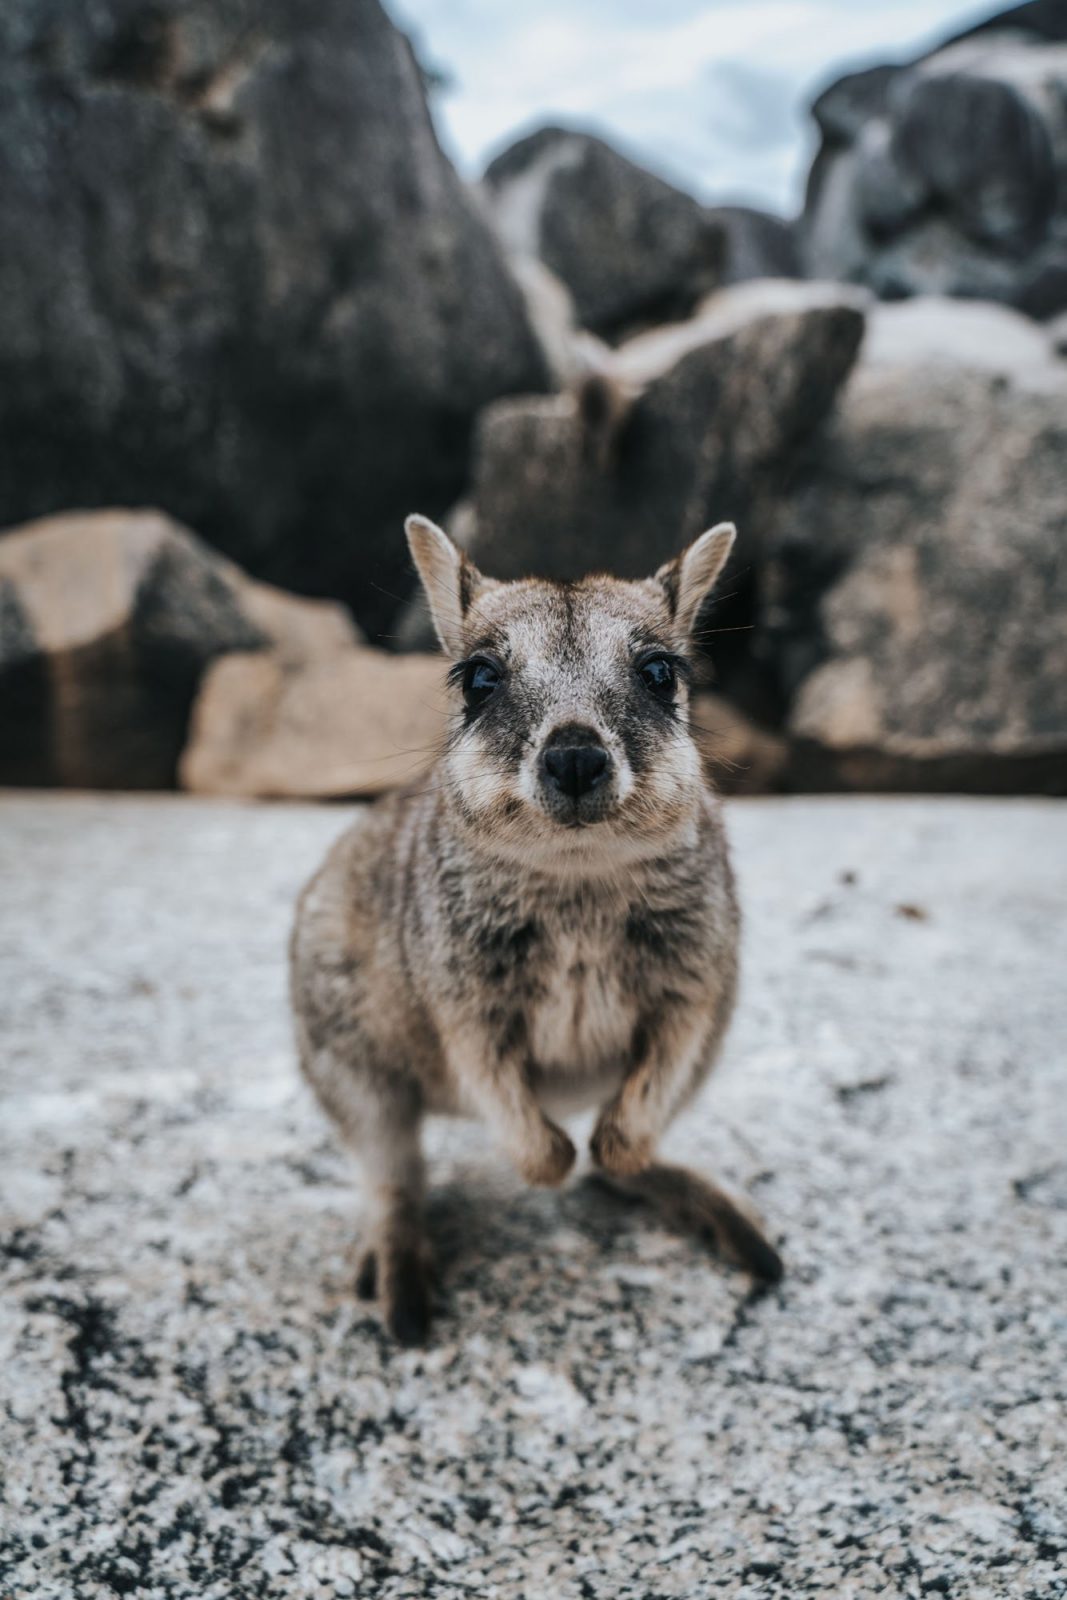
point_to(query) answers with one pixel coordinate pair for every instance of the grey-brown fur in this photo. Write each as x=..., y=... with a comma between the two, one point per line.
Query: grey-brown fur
x=549, y=923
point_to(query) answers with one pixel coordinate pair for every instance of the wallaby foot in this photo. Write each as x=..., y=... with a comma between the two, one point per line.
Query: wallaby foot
x=367, y=1276
x=394, y=1268
x=399, y=1273
x=691, y=1204
x=406, y=1294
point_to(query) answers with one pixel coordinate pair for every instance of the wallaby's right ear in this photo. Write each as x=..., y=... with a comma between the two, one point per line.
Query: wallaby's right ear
x=450, y=579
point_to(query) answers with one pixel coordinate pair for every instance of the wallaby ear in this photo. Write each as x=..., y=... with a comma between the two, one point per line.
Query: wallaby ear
x=450, y=579
x=688, y=579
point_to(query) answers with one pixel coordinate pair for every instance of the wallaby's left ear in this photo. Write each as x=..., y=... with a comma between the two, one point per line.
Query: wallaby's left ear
x=450, y=578
x=688, y=579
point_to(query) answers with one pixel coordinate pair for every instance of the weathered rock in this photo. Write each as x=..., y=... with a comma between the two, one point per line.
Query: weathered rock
x=296, y=629
x=1037, y=19
x=843, y=109
x=632, y=250
x=740, y=757
x=570, y=351
x=687, y=425
x=949, y=176
x=1057, y=334
x=933, y=330
x=107, y=621
x=351, y=722
x=630, y=247
x=757, y=244
x=917, y=588
x=977, y=143
x=240, y=280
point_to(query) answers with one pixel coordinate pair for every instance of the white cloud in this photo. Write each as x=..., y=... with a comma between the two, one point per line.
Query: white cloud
x=655, y=77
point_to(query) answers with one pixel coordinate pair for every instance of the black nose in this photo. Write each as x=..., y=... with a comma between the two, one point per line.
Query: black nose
x=575, y=768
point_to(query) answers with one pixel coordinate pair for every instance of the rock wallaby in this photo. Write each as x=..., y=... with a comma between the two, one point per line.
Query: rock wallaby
x=548, y=924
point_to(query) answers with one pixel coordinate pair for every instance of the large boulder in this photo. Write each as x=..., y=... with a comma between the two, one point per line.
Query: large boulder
x=351, y=722
x=916, y=585
x=630, y=247
x=757, y=244
x=948, y=176
x=682, y=427
x=107, y=622
x=689, y=423
x=240, y=280
x=632, y=250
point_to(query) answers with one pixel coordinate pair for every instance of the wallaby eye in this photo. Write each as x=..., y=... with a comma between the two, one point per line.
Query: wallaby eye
x=480, y=678
x=658, y=676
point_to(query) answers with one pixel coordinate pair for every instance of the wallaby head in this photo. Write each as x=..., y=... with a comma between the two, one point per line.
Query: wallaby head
x=570, y=741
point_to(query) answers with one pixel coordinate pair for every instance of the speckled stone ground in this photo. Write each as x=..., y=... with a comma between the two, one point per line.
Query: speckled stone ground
x=192, y=1403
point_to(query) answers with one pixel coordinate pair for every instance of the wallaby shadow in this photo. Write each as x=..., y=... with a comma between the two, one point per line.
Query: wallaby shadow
x=475, y=1226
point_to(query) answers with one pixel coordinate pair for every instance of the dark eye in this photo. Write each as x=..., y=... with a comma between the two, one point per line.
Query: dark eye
x=480, y=678
x=658, y=675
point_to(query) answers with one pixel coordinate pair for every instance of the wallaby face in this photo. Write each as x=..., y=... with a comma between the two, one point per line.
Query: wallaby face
x=549, y=924
x=570, y=744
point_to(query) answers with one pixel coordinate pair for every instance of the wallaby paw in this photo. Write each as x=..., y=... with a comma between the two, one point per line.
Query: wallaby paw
x=613, y=1149
x=550, y=1163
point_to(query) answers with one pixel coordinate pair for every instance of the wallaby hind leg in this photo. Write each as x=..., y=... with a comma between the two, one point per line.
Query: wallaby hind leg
x=379, y=1120
x=691, y=1204
x=396, y=1264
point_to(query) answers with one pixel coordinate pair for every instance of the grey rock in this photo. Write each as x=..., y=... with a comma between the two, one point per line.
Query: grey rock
x=107, y=622
x=1057, y=334
x=682, y=428
x=686, y=426
x=933, y=257
x=192, y=1400
x=240, y=280
x=977, y=144
x=570, y=351
x=632, y=250
x=1036, y=19
x=932, y=330
x=843, y=109
x=916, y=588
x=630, y=247
x=889, y=193
x=833, y=233
x=947, y=176
x=758, y=244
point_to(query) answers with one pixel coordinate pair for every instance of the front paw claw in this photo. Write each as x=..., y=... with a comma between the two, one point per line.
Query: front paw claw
x=613, y=1149
x=551, y=1162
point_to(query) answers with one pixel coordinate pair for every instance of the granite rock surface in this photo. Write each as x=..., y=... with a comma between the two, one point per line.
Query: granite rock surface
x=915, y=593
x=192, y=1401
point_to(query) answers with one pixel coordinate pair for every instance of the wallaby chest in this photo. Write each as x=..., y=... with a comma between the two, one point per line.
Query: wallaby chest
x=581, y=1010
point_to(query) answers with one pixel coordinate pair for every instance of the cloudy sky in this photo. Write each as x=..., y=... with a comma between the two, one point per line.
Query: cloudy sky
x=713, y=95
